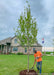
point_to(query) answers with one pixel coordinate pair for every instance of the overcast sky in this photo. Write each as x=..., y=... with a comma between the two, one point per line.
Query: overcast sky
x=42, y=10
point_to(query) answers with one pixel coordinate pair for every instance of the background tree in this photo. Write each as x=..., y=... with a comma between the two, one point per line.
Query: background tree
x=53, y=41
x=26, y=31
x=53, y=46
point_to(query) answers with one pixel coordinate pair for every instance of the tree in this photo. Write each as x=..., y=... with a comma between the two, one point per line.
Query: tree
x=53, y=46
x=27, y=30
x=53, y=40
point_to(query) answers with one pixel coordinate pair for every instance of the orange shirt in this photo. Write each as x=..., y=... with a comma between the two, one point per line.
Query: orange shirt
x=38, y=54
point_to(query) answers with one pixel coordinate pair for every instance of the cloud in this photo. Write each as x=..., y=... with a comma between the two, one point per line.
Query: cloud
x=47, y=33
x=9, y=13
x=43, y=10
x=48, y=6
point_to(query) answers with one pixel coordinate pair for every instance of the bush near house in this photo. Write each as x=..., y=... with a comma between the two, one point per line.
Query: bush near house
x=20, y=54
x=12, y=53
x=6, y=53
x=48, y=52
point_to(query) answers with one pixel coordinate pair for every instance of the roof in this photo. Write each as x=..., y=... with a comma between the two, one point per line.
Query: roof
x=7, y=40
x=39, y=45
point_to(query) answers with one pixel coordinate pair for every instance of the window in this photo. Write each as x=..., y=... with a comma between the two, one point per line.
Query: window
x=33, y=49
x=15, y=41
x=15, y=49
x=25, y=50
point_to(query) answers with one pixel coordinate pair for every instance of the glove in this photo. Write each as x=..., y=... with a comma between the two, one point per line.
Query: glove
x=37, y=57
x=32, y=68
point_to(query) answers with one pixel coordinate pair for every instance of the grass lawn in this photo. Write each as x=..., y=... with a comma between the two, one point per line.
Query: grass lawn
x=13, y=64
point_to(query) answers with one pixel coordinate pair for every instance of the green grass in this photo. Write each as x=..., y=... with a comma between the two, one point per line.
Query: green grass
x=13, y=64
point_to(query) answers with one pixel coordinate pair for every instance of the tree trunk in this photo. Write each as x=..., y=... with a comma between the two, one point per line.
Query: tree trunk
x=28, y=59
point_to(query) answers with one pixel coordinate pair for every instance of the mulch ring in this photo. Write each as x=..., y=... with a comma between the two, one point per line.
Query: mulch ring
x=52, y=73
x=31, y=72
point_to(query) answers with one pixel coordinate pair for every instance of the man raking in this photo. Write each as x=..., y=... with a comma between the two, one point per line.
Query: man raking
x=38, y=58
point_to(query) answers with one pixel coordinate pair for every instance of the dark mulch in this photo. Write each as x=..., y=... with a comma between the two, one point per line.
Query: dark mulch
x=31, y=72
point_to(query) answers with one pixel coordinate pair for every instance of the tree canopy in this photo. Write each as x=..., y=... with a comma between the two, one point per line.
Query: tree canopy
x=26, y=31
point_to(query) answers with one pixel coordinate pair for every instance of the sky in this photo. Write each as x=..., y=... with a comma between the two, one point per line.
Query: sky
x=42, y=10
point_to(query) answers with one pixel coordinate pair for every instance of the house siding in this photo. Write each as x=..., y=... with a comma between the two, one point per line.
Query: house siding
x=13, y=43
x=20, y=48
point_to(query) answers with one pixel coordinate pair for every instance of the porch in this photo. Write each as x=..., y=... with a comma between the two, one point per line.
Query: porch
x=5, y=48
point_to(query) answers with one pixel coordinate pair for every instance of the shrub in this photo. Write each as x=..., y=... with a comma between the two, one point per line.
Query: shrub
x=48, y=52
x=19, y=53
x=12, y=53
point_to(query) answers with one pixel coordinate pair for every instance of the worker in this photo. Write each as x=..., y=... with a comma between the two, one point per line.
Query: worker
x=38, y=58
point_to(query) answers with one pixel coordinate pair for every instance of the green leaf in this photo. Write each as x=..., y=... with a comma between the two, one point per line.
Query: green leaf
x=27, y=30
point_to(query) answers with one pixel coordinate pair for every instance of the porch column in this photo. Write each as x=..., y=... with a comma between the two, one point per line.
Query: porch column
x=11, y=49
x=3, y=49
x=6, y=49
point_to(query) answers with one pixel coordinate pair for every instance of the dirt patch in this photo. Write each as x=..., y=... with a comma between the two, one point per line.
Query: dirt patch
x=52, y=73
x=31, y=72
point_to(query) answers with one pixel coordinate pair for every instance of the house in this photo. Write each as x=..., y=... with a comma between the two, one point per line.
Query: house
x=11, y=45
x=48, y=49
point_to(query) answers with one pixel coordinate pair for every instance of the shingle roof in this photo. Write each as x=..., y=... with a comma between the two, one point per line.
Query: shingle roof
x=39, y=45
x=7, y=40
